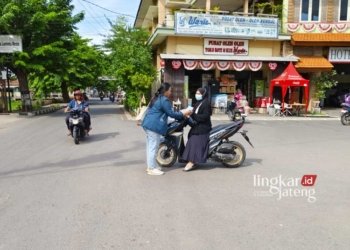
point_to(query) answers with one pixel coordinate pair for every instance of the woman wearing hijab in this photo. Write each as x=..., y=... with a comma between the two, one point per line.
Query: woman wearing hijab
x=197, y=146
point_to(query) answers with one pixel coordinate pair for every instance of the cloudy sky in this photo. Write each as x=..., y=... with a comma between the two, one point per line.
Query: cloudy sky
x=95, y=24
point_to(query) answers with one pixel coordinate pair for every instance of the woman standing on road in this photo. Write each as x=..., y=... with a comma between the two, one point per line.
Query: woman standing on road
x=197, y=146
x=155, y=124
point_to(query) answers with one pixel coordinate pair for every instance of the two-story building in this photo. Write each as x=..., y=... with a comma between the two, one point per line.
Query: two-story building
x=224, y=45
x=320, y=36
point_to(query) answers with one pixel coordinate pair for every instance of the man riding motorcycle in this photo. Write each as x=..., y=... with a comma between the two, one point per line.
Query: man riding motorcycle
x=78, y=103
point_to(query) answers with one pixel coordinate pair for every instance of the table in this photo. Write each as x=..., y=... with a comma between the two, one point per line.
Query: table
x=298, y=107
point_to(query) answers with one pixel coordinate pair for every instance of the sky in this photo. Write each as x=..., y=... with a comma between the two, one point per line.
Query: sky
x=95, y=24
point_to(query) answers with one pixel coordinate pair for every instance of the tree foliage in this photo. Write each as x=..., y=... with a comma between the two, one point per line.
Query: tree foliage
x=44, y=26
x=130, y=61
x=323, y=82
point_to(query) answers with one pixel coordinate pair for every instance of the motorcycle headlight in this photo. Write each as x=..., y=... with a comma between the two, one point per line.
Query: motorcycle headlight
x=75, y=121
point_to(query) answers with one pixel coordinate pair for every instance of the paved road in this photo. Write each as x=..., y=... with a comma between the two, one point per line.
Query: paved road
x=57, y=195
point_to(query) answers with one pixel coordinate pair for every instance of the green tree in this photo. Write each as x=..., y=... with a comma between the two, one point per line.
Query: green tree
x=73, y=64
x=323, y=82
x=40, y=23
x=130, y=61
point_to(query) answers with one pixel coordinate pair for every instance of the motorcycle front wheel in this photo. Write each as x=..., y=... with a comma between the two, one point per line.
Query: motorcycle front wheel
x=345, y=119
x=76, y=135
x=239, y=158
x=166, y=155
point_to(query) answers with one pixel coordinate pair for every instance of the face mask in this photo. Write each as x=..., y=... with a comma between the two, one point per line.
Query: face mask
x=199, y=97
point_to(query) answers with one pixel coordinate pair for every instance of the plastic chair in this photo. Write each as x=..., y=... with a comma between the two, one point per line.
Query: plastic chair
x=287, y=109
x=278, y=110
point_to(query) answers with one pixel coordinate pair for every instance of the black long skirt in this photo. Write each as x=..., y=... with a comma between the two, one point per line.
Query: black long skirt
x=197, y=147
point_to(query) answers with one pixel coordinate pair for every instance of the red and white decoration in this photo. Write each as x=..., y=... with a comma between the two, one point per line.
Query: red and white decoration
x=308, y=27
x=162, y=64
x=206, y=65
x=255, y=66
x=340, y=27
x=324, y=27
x=223, y=65
x=272, y=66
x=176, y=64
x=190, y=64
x=292, y=27
x=239, y=66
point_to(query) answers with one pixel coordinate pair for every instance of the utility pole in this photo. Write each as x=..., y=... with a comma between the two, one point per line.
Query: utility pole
x=8, y=86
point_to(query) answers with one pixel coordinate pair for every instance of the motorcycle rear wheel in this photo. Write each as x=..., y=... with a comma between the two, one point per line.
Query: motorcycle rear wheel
x=240, y=155
x=345, y=119
x=166, y=155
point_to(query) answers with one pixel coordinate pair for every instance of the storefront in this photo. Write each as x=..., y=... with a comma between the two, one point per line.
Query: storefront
x=222, y=59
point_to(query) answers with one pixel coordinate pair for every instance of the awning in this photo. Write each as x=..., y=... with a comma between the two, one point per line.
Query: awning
x=313, y=63
x=321, y=39
x=229, y=58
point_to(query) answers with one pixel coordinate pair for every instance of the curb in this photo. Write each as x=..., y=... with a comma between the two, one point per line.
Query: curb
x=42, y=111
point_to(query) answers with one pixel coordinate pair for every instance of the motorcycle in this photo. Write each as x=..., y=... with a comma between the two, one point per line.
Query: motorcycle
x=345, y=117
x=112, y=98
x=76, y=125
x=101, y=96
x=230, y=153
x=233, y=112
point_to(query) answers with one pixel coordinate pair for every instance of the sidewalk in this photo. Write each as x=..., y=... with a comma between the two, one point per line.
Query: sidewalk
x=6, y=119
x=327, y=114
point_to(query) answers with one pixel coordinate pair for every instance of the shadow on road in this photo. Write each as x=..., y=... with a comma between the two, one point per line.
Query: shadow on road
x=212, y=165
x=102, y=136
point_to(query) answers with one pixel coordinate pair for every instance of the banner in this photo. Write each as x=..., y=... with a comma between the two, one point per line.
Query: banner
x=225, y=25
x=223, y=65
x=190, y=64
x=206, y=65
x=255, y=66
x=176, y=64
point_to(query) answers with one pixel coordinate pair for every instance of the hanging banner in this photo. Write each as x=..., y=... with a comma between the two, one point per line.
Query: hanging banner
x=239, y=66
x=272, y=66
x=255, y=66
x=206, y=65
x=162, y=63
x=223, y=65
x=10, y=44
x=225, y=25
x=190, y=64
x=176, y=64
x=228, y=47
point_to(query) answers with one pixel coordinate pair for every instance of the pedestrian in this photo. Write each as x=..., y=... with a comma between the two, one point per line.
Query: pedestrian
x=197, y=146
x=155, y=124
x=78, y=103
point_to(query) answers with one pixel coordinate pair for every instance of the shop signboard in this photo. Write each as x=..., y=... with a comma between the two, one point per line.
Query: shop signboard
x=10, y=43
x=339, y=54
x=225, y=25
x=230, y=47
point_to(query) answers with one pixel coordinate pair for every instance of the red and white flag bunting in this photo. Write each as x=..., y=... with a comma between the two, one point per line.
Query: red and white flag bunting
x=176, y=64
x=324, y=27
x=308, y=27
x=292, y=27
x=239, y=66
x=272, y=66
x=255, y=66
x=223, y=65
x=206, y=65
x=340, y=27
x=190, y=64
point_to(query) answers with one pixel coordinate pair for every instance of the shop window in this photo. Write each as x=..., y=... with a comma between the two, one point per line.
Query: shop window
x=310, y=10
x=344, y=10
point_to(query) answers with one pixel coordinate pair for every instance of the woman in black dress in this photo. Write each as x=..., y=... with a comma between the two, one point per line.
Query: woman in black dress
x=197, y=146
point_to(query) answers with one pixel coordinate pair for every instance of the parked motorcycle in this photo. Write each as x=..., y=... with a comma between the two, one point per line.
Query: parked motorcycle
x=345, y=117
x=221, y=149
x=233, y=112
x=76, y=125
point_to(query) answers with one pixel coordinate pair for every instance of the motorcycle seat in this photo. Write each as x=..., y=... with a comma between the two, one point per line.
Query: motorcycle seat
x=224, y=126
